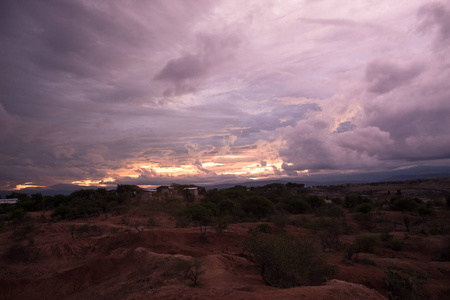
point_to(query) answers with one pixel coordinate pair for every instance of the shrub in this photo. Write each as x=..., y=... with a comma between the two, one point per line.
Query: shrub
x=257, y=206
x=385, y=236
x=221, y=223
x=226, y=206
x=403, y=288
x=280, y=221
x=320, y=224
x=183, y=221
x=334, y=212
x=151, y=222
x=21, y=253
x=425, y=211
x=366, y=221
x=351, y=200
x=137, y=225
x=85, y=229
x=17, y=215
x=298, y=221
x=445, y=252
x=193, y=270
x=261, y=228
x=403, y=204
x=364, y=243
x=298, y=206
x=315, y=201
x=61, y=211
x=337, y=201
x=330, y=239
x=20, y=232
x=285, y=261
x=200, y=213
x=364, y=208
x=396, y=245
x=435, y=231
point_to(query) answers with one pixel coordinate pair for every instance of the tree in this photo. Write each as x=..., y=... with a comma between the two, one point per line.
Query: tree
x=199, y=213
x=193, y=270
x=257, y=206
x=364, y=208
x=315, y=201
x=298, y=206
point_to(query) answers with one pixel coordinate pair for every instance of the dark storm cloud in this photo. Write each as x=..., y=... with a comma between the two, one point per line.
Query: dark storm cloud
x=186, y=71
x=436, y=15
x=383, y=77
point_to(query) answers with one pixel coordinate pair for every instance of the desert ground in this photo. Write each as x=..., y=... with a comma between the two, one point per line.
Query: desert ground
x=141, y=252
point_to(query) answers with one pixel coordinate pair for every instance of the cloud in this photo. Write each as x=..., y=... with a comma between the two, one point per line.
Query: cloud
x=383, y=77
x=219, y=90
x=400, y=117
x=436, y=15
x=186, y=71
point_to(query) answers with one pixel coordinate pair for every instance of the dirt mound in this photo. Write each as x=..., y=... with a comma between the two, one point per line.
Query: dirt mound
x=68, y=250
x=142, y=273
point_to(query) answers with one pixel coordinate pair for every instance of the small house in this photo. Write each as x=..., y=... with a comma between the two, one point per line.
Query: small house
x=164, y=189
x=9, y=201
x=193, y=190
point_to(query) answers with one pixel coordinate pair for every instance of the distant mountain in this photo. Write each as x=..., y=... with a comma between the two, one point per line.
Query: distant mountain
x=64, y=189
x=419, y=172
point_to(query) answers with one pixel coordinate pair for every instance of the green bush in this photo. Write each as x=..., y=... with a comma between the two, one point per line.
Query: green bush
x=337, y=201
x=364, y=208
x=280, y=221
x=62, y=211
x=221, y=223
x=298, y=206
x=403, y=288
x=396, y=245
x=257, y=206
x=17, y=215
x=320, y=224
x=151, y=222
x=352, y=200
x=425, y=211
x=183, y=221
x=330, y=238
x=403, y=204
x=261, y=228
x=285, y=261
x=193, y=271
x=366, y=221
x=445, y=252
x=315, y=201
x=21, y=231
x=385, y=236
x=335, y=212
x=21, y=253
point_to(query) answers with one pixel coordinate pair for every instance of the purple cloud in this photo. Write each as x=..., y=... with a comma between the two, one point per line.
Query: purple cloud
x=186, y=72
x=383, y=77
x=208, y=91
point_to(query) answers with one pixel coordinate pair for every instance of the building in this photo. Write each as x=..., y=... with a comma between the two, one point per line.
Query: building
x=193, y=190
x=9, y=201
x=164, y=189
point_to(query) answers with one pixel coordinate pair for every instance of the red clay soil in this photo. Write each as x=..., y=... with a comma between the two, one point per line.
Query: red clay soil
x=122, y=263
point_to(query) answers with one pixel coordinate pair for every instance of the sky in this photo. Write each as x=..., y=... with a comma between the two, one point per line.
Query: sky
x=154, y=92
